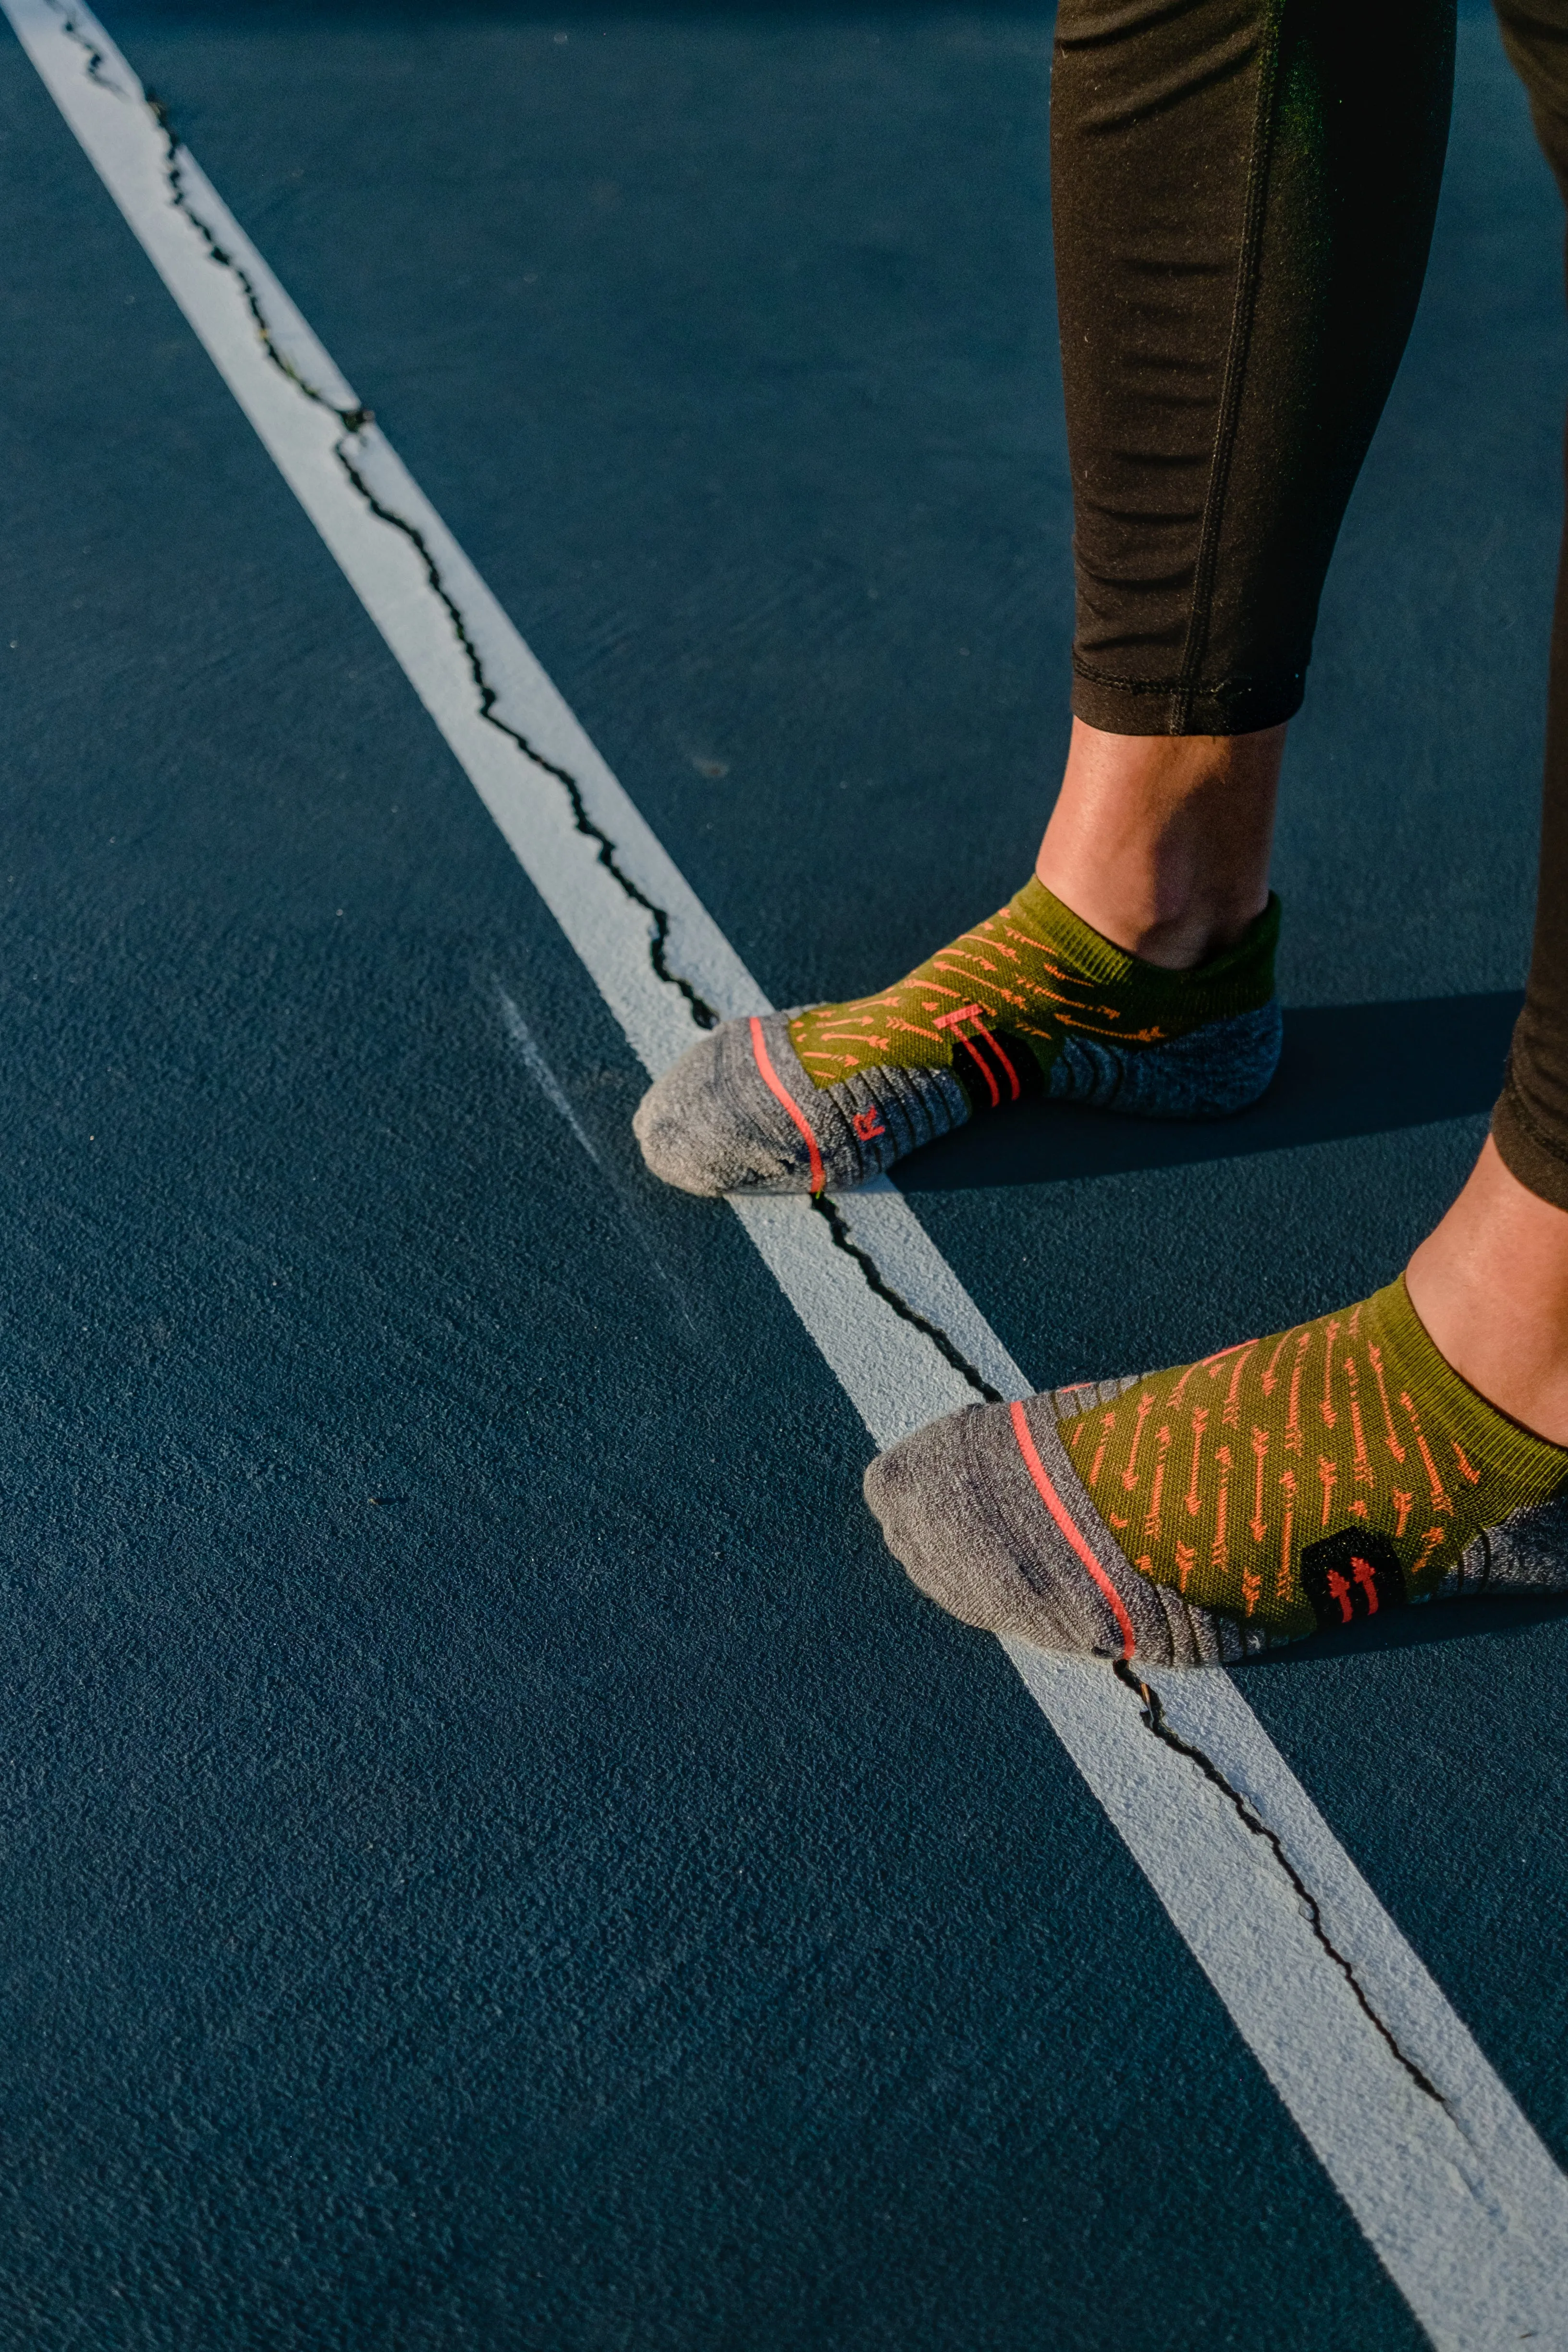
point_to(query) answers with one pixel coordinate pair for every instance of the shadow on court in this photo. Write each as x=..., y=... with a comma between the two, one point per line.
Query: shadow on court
x=1405, y=1629
x=1347, y=1070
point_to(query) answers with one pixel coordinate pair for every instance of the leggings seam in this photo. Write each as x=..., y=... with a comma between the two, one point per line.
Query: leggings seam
x=1243, y=309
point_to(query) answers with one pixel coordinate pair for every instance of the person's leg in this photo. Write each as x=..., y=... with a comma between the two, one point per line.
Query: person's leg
x=1491, y=1284
x=1416, y=1443
x=1243, y=197
x=1161, y=843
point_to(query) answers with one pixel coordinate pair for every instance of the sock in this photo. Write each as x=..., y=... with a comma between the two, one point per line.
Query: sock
x=1284, y=1486
x=1031, y=1002
x=1001, y=1005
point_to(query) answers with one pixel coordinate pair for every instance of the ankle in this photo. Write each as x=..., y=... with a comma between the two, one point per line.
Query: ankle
x=1490, y=1285
x=1161, y=843
x=1173, y=930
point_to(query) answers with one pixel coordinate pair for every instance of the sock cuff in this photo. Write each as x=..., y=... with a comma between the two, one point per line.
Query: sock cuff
x=1240, y=979
x=1390, y=1322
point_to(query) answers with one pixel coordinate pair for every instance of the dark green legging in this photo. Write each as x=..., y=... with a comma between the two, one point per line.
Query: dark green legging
x=1244, y=194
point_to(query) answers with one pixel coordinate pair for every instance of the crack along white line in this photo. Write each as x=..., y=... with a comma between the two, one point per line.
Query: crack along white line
x=1455, y=2190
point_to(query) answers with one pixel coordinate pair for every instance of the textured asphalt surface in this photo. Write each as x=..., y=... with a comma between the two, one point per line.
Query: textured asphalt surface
x=494, y=1854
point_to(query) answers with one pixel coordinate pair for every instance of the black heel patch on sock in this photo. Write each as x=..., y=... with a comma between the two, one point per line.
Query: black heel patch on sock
x=1352, y=1573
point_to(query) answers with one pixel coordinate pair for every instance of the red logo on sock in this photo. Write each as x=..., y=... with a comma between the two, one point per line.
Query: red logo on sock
x=868, y=1123
x=1355, y=1572
x=966, y=1050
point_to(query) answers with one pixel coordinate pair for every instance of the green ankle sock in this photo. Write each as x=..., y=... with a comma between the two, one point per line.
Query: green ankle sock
x=1286, y=1486
x=1031, y=1002
x=1310, y=1477
x=998, y=1005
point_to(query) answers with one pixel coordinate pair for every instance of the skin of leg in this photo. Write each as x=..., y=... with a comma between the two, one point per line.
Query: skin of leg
x=1490, y=1284
x=1161, y=843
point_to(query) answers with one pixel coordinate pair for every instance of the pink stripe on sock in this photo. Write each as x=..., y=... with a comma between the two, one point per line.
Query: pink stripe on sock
x=1063, y=1518
x=771, y=1080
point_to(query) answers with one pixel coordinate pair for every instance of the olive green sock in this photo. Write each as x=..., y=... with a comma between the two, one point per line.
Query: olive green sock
x=1032, y=1002
x=1310, y=1476
x=1001, y=1003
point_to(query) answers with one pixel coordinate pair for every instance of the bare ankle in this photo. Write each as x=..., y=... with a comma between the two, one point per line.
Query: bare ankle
x=1161, y=843
x=1187, y=936
x=1490, y=1284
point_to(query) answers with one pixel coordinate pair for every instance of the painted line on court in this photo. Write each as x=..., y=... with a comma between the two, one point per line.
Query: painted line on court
x=1456, y=2193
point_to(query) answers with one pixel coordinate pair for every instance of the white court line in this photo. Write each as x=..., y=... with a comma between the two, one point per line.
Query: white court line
x=1460, y=2200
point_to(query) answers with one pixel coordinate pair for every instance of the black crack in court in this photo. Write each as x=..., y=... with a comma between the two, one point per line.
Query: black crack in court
x=496, y=1853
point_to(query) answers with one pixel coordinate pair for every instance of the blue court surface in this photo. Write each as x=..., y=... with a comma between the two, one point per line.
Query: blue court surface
x=495, y=1852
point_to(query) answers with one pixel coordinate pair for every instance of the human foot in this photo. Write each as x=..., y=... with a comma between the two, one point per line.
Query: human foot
x=1032, y=1002
x=1278, y=1489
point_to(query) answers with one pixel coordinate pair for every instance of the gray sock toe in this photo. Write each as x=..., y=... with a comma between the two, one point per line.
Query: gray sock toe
x=960, y=1511
x=713, y=1123
x=931, y=1496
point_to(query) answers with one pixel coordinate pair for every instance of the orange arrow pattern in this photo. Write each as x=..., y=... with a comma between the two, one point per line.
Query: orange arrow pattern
x=1472, y=1467
x=1031, y=972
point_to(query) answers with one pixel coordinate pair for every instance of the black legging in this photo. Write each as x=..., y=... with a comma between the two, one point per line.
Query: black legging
x=1244, y=194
